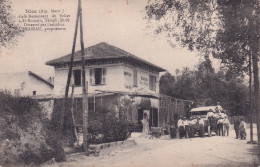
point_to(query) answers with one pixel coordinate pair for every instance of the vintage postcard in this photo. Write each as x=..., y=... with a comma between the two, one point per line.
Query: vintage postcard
x=127, y=83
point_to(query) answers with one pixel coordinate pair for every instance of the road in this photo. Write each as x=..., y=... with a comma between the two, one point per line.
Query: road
x=208, y=151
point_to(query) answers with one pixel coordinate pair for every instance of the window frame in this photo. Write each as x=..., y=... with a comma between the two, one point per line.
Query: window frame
x=80, y=77
x=152, y=82
x=92, y=77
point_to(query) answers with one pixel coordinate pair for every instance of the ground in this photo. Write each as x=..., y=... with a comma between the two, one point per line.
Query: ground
x=208, y=151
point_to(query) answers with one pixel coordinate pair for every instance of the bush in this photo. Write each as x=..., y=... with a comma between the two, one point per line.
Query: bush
x=25, y=136
x=108, y=124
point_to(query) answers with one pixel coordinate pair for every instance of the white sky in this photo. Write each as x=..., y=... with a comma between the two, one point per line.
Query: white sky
x=112, y=21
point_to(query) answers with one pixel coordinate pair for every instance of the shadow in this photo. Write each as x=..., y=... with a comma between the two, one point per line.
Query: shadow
x=254, y=152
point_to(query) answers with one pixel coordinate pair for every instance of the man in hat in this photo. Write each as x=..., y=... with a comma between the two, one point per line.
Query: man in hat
x=219, y=109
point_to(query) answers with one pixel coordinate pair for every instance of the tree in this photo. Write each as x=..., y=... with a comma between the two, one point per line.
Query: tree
x=204, y=83
x=227, y=29
x=8, y=29
x=166, y=84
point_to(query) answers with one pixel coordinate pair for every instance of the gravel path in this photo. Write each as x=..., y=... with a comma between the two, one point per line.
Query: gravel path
x=208, y=151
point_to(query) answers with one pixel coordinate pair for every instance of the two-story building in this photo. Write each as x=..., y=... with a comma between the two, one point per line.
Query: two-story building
x=112, y=74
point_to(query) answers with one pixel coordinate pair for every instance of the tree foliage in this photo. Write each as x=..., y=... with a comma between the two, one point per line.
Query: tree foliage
x=227, y=29
x=204, y=83
x=9, y=30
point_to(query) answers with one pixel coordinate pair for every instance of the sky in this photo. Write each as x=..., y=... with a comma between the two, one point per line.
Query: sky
x=116, y=22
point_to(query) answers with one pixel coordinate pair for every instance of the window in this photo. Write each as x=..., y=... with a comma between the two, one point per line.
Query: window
x=135, y=78
x=152, y=82
x=77, y=77
x=34, y=92
x=97, y=76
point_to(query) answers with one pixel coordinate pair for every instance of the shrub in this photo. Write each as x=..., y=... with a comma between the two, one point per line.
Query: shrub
x=25, y=136
x=108, y=124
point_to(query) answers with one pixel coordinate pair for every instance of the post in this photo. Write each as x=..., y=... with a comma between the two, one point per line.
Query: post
x=250, y=98
x=84, y=87
x=70, y=71
x=72, y=114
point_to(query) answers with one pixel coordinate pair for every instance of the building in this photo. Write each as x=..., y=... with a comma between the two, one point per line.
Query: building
x=113, y=74
x=25, y=84
x=107, y=69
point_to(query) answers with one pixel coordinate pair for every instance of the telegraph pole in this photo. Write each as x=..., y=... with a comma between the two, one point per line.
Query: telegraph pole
x=84, y=86
x=84, y=83
x=70, y=70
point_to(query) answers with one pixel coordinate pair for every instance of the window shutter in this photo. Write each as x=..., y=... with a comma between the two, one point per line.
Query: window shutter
x=154, y=85
x=104, y=72
x=150, y=82
x=91, y=80
x=135, y=78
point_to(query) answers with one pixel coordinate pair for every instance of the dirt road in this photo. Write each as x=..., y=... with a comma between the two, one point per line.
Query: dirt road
x=208, y=151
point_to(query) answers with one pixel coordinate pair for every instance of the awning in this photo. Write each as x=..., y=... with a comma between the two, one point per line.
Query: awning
x=146, y=102
x=154, y=103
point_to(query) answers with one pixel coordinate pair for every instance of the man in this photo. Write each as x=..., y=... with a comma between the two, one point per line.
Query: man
x=180, y=125
x=242, y=129
x=226, y=126
x=201, y=125
x=219, y=109
x=186, y=127
x=220, y=126
x=192, y=123
x=236, y=126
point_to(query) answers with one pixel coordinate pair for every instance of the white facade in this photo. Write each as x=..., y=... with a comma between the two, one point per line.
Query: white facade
x=23, y=84
x=118, y=77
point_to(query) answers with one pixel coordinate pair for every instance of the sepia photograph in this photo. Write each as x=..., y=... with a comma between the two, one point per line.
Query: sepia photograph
x=129, y=83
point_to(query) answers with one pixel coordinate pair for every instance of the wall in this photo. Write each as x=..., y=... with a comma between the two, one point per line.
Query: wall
x=142, y=80
x=118, y=78
x=114, y=80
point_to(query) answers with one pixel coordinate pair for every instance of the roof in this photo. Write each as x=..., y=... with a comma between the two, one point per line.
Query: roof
x=207, y=108
x=40, y=78
x=101, y=51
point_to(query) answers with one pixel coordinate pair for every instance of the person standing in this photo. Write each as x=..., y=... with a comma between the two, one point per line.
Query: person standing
x=218, y=109
x=226, y=126
x=186, y=127
x=201, y=125
x=242, y=129
x=220, y=126
x=145, y=123
x=236, y=126
x=181, y=128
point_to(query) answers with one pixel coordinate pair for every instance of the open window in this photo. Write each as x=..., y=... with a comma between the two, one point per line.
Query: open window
x=77, y=77
x=97, y=76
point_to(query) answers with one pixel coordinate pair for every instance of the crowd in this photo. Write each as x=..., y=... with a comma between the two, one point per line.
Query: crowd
x=216, y=120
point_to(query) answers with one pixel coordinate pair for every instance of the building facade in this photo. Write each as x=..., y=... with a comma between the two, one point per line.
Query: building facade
x=112, y=75
x=107, y=69
x=25, y=84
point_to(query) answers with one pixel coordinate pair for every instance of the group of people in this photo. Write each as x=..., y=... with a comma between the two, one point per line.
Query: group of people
x=217, y=120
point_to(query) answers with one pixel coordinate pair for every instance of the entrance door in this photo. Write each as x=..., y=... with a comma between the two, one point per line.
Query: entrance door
x=154, y=117
x=140, y=115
